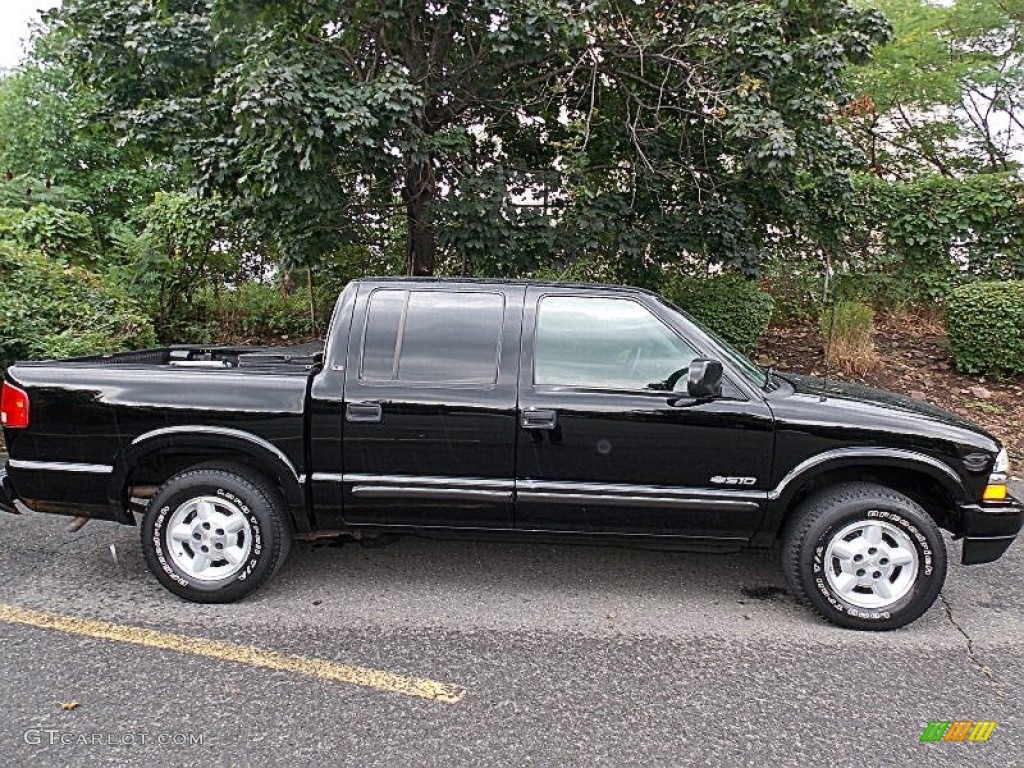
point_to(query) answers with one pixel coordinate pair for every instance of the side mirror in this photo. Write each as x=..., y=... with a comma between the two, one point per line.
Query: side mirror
x=704, y=379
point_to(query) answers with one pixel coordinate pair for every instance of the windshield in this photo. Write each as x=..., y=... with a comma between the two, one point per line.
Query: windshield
x=753, y=373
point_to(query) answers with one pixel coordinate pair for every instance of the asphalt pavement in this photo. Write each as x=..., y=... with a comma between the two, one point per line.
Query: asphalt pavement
x=568, y=655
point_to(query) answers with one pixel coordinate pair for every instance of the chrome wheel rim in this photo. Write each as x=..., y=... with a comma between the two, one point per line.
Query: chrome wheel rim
x=871, y=564
x=209, y=538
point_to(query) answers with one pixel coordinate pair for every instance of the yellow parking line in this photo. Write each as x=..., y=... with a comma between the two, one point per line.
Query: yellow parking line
x=240, y=654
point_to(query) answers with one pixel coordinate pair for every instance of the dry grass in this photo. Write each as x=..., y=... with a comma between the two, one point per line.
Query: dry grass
x=915, y=321
x=847, y=333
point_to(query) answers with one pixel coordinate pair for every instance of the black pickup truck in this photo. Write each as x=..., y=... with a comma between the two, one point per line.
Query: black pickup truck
x=507, y=410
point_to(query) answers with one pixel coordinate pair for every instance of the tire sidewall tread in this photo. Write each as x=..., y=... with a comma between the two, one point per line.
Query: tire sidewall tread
x=257, y=501
x=830, y=509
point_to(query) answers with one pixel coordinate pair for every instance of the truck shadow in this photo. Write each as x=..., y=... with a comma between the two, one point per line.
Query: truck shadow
x=454, y=584
x=412, y=565
x=107, y=559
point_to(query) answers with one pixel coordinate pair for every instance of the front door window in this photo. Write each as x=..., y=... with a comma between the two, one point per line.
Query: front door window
x=605, y=343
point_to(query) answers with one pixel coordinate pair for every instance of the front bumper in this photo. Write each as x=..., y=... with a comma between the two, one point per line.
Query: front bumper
x=7, y=496
x=989, y=529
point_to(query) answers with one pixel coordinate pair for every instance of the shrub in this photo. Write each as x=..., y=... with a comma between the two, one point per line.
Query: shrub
x=57, y=233
x=730, y=305
x=10, y=219
x=795, y=283
x=985, y=324
x=847, y=331
x=259, y=311
x=49, y=310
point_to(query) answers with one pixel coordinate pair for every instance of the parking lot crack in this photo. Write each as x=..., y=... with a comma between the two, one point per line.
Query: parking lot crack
x=972, y=650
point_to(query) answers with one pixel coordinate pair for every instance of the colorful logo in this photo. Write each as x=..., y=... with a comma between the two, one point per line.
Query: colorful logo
x=958, y=730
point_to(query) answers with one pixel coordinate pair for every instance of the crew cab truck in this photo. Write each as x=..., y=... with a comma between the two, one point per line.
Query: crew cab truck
x=508, y=409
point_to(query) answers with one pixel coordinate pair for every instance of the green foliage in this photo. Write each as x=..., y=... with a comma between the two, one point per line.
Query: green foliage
x=49, y=310
x=180, y=247
x=946, y=94
x=262, y=311
x=905, y=244
x=846, y=319
x=911, y=242
x=57, y=233
x=941, y=226
x=201, y=275
x=602, y=270
x=505, y=133
x=58, y=145
x=733, y=307
x=24, y=191
x=795, y=280
x=985, y=324
x=10, y=218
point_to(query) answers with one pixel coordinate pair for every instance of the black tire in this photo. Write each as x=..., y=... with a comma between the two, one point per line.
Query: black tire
x=820, y=520
x=247, y=494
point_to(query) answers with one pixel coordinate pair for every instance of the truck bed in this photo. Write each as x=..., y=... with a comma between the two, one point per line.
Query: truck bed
x=144, y=414
x=194, y=356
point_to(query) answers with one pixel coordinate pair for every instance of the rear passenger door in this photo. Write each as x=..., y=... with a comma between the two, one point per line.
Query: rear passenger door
x=430, y=405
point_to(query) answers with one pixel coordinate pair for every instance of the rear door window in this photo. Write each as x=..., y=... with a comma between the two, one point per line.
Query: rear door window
x=433, y=337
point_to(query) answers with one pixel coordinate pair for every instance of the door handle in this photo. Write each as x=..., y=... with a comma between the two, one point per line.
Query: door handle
x=364, y=412
x=539, y=419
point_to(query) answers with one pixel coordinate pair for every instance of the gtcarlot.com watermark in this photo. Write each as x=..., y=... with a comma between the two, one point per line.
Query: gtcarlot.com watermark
x=54, y=737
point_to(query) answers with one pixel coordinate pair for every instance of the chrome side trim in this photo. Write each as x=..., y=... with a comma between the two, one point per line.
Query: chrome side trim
x=554, y=486
x=207, y=430
x=673, y=502
x=406, y=492
x=415, y=480
x=61, y=466
x=867, y=453
x=549, y=492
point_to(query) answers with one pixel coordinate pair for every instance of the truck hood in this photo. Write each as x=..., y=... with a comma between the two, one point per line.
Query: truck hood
x=885, y=410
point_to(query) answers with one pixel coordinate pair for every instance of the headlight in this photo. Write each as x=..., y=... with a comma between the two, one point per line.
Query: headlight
x=1002, y=465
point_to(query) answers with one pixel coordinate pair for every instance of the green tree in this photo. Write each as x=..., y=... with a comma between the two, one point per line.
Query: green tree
x=506, y=133
x=56, y=149
x=946, y=95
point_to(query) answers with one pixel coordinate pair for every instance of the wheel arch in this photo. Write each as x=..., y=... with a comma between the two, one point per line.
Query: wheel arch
x=930, y=482
x=155, y=456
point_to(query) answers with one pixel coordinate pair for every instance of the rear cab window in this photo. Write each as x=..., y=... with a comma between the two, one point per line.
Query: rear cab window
x=431, y=337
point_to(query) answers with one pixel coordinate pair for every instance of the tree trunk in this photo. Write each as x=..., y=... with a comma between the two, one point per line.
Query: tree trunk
x=418, y=195
x=312, y=301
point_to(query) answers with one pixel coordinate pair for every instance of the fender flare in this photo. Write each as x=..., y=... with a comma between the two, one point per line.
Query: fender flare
x=265, y=455
x=839, y=458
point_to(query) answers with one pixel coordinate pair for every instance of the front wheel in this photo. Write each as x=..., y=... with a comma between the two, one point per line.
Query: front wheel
x=864, y=556
x=213, y=535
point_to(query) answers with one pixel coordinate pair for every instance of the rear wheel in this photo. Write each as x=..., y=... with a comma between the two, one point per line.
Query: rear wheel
x=864, y=556
x=214, y=535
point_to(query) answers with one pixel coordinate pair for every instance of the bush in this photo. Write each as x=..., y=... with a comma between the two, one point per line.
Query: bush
x=847, y=331
x=795, y=282
x=985, y=324
x=730, y=305
x=57, y=233
x=48, y=310
x=259, y=311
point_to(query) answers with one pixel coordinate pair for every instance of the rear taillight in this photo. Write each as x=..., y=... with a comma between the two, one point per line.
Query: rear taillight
x=13, y=407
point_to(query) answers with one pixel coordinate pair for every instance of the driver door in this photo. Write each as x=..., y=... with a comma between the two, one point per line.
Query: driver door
x=608, y=441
